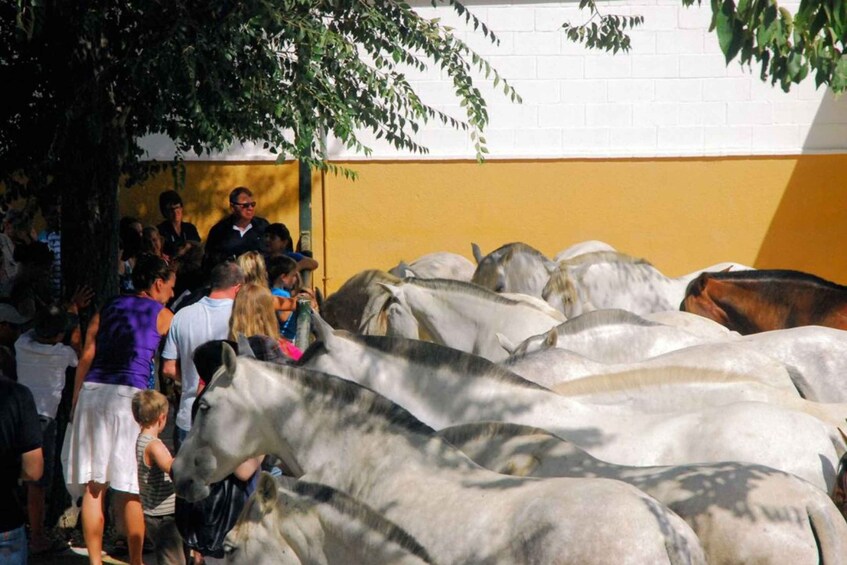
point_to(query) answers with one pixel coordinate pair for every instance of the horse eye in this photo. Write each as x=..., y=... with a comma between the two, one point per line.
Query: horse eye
x=203, y=405
x=229, y=549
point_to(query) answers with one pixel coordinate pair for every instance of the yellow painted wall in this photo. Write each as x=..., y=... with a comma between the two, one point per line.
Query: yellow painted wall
x=681, y=214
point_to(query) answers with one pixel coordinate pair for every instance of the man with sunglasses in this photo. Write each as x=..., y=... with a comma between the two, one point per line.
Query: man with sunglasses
x=239, y=232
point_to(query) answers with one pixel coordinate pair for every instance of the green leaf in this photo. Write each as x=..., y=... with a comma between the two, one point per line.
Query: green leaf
x=729, y=36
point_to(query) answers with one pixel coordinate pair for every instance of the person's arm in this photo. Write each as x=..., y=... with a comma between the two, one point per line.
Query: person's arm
x=157, y=453
x=170, y=369
x=246, y=470
x=307, y=264
x=163, y=321
x=87, y=357
x=80, y=299
x=32, y=465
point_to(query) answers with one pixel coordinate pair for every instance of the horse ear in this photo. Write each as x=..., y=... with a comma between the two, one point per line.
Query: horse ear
x=244, y=348
x=229, y=358
x=506, y=343
x=477, y=252
x=393, y=290
x=266, y=492
x=320, y=327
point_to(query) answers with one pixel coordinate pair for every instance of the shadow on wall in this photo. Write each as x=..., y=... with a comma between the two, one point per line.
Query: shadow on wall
x=809, y=227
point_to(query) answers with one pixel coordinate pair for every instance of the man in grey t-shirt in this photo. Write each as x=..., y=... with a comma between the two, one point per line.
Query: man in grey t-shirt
x=193, y=326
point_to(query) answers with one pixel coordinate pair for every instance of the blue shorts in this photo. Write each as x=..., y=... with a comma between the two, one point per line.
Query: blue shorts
x=13, y=547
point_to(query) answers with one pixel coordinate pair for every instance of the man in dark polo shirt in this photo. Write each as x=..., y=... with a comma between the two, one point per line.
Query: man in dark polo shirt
x=238, y=233
x=20, y=459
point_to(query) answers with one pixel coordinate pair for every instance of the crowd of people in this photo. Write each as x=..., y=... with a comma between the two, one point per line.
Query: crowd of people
x=146, y=353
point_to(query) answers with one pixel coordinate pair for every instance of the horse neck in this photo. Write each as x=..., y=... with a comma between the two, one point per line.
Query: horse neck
x=751, y=310
x=443, y=394
x=341, y=443
x=348, y=539
x=441, y=310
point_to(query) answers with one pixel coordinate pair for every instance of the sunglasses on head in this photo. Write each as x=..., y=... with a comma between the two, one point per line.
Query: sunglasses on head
x=244, y=204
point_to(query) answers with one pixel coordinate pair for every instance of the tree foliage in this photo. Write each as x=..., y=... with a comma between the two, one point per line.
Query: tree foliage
x=86, y=80
x=787, y=47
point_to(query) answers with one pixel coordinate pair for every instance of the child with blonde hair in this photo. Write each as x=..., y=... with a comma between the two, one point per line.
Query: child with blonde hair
x=150, y=410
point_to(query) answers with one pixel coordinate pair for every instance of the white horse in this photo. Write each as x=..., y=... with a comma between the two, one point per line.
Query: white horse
x=349, y=438
x=550, y=366
x=675, y=389
x=355, y=305
x=607, y=279
x=581, y=248
x=514, y=267
x=440, y=265
x=468, y=317
x=814, y=356
x=741, y=513
x=445, y=387
x=692, y=323
x=609, y=336
x=300, y=522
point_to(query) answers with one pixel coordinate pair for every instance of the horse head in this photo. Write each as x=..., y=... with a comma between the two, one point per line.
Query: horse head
x=257, y=538
x=227, y=428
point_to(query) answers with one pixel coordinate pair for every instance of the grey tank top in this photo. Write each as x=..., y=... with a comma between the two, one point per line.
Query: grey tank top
x=156, y=487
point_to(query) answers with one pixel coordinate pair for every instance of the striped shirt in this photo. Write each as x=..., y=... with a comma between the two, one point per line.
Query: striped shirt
x=156, y=487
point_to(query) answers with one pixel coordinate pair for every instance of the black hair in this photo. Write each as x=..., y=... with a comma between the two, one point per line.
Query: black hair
x=279, y=266
x=281, y=232
x=50, y=322
x=238, y=191
x=168, y=199
x=148, y=268
x=130, y=239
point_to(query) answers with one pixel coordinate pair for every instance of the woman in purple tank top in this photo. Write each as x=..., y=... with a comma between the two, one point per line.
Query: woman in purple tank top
x=116, y=361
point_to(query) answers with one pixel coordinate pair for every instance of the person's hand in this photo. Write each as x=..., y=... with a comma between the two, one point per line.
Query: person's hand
x=80, y=299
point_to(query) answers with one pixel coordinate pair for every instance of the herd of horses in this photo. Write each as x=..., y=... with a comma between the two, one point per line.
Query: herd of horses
x=582, y=409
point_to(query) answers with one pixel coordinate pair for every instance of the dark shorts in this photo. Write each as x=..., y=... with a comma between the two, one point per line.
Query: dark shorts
x=48, y=448
x=167, y=543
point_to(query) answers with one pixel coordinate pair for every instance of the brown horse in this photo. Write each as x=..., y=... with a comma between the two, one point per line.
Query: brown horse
x=757, y=301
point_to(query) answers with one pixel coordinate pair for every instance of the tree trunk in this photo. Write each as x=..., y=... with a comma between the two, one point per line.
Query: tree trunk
x=92, y=158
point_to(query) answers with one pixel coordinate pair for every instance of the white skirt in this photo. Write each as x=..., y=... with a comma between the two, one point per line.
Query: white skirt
x=100, y=444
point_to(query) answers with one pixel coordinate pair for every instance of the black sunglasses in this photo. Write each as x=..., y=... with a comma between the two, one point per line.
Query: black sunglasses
x=244, y=204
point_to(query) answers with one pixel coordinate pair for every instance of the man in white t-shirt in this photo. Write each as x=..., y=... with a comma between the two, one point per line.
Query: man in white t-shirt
x=192, y=326
x=42, y=360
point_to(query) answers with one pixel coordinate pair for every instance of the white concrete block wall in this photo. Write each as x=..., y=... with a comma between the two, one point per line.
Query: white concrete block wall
x=671, y=95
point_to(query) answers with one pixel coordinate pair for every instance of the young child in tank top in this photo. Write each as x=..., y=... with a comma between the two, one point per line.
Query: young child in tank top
x=150, y=409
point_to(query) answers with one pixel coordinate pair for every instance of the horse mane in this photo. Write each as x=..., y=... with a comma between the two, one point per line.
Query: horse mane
x=470, y=289
x=357, y=510
x=344, y=393
x=561, y=282
x=643, y=378
x=509, y=250
x=464, y=433
x=604, y=257
x=605, y=317
x=777, y=276
x=427, y=353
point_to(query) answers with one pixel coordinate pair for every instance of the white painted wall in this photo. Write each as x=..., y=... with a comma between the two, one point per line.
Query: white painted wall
x=671, y=95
